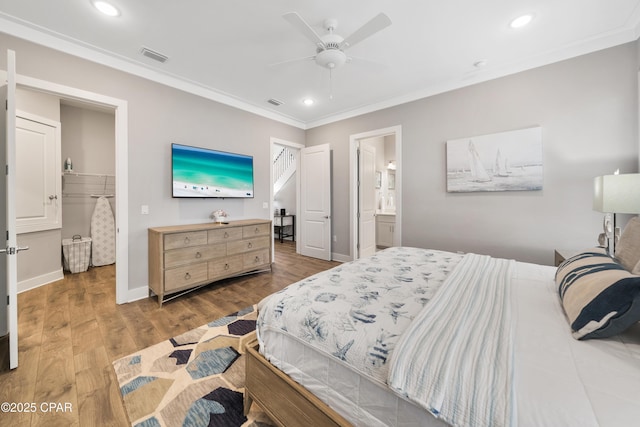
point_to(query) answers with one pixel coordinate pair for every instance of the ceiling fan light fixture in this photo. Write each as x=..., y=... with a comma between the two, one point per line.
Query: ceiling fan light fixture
x=331, y=58
x=106, y=8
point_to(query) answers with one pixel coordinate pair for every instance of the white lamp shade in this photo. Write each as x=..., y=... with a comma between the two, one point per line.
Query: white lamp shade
x=617, y=193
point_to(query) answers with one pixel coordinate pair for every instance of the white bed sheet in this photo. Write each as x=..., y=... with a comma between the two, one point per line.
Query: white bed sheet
x=559, y=381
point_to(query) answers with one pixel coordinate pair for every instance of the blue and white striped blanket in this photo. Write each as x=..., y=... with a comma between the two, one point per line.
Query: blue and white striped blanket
x=456, y=358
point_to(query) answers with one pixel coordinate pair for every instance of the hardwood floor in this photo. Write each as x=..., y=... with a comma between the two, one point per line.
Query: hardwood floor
x=71, y=330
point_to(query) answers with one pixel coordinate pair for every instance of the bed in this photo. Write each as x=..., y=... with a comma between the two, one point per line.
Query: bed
x=417, y=337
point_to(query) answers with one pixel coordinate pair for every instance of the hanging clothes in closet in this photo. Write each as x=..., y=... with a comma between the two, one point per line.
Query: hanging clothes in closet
x=103, y=234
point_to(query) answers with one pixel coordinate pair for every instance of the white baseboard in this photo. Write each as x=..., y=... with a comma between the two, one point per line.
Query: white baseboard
x=340, y=257
x=41, y=280
x=137, y=294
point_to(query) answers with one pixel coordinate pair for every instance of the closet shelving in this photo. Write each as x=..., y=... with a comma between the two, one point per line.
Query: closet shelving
x=82, y=184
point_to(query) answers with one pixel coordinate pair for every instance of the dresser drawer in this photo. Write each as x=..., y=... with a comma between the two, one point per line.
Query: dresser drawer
x=250, y=231
x=226, y=266
x=225, y=235
x=184, y=240
x=181, y=256
x=180, y=277
x=247, y=245
x=256, y=259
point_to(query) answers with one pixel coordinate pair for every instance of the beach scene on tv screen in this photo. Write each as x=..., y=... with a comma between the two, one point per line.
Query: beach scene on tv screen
x=204, y=173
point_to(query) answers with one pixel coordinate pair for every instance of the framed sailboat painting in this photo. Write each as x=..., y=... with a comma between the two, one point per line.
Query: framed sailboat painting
x=504, y=161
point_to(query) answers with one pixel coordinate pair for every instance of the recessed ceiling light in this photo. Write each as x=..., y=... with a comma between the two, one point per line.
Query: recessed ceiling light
x=521, y=21
x=308, y=102
x=106, y=8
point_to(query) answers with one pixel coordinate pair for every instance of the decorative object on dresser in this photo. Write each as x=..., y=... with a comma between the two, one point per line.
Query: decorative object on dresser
x=615, y=194
x=219, y=216
x=183, y=258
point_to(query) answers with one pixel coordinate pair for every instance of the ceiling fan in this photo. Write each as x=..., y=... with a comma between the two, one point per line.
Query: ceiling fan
x=330, y=47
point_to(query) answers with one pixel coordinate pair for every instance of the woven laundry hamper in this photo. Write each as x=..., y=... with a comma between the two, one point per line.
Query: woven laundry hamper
x=76, y=253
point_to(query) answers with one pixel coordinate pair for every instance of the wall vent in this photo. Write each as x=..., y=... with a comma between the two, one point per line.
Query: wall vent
x=275, y=102
x=156, y=56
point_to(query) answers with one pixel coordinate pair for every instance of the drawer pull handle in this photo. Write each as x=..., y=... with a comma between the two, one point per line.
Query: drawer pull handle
x=250, y=245
x=226, y=235
x=226, y=266
x=186, y=240
x=257, y=259
x=187, y=276
x=257, y=230
x=198, y=254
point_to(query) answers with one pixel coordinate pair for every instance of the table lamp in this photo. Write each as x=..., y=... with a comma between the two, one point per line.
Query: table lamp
x=614, y=194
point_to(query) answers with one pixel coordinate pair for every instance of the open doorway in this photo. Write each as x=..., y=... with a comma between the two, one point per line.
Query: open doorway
x=285, y=190
x=119, y=108
x=375, y=190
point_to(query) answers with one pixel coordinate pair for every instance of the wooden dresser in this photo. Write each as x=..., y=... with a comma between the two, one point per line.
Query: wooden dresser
x=185, y=257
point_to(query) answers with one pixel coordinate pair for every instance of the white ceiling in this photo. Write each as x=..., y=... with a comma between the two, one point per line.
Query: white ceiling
x=225, y=50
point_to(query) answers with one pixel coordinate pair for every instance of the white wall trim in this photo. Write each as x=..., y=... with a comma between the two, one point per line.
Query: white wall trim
x=354, y=141
x=36, y=282
x=122, y=168
x=340, y=257
x=137, y=294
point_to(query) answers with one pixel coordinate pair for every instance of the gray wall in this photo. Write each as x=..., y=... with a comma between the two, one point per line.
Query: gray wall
x=587, y=108
x=157, y=116
x=88, y=138
x=286, y=197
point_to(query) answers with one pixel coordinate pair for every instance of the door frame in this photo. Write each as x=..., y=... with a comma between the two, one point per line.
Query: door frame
x=354, y=142
x=298, y=147
x=122, y=160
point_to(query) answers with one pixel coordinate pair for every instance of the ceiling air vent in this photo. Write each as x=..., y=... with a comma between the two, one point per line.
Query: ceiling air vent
x=156, y=56
x=275, y=102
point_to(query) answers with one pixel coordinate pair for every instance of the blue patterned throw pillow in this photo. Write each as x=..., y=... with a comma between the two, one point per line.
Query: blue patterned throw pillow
x=601, y=298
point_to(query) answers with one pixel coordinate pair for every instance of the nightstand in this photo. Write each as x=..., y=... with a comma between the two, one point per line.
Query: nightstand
x=562, y=254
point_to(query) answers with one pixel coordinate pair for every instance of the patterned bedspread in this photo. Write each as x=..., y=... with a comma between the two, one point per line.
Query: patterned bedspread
x=356, y=312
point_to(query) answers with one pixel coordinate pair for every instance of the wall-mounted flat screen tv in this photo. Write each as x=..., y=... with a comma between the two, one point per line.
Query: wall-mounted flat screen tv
x=203, y=172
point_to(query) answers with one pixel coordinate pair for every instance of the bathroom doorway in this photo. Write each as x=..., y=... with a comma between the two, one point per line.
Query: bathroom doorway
x=378, y=196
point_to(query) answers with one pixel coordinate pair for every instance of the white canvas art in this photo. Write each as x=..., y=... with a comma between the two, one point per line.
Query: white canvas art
x=505, y=161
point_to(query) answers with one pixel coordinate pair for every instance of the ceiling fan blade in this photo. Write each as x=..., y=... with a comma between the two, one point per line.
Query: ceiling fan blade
x=376, y=24
x=367, y=62
x=296, y=20
x=287, y=61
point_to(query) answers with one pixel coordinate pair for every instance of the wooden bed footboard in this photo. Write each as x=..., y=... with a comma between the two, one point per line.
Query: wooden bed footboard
x=286, y=402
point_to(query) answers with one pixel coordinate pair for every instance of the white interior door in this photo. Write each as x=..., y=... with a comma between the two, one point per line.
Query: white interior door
x=38, y=174
x=367, y=200
x=315, y=202
x=8, y=266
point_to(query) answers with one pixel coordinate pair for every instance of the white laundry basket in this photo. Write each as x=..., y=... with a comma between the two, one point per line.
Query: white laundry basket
x=76, y=253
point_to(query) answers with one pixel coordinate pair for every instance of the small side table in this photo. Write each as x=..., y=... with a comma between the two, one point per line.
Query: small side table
x=283, y=224
x=562, y=254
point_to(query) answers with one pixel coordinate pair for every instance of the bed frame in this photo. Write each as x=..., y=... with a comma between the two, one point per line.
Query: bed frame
x=286, y=402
